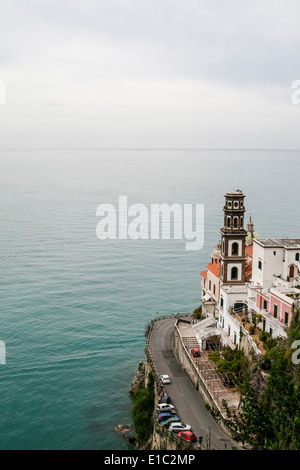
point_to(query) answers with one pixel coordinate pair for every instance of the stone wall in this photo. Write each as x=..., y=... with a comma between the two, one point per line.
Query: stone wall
x=187, y=364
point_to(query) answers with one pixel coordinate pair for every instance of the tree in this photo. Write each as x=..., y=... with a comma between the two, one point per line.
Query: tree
x=142, y=411
x=269, y=414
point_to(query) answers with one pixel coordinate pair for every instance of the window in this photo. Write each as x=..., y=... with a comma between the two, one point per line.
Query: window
x=286, y=318
x=297, y=257
x=214, y=288
x=235, y=222
x=235, y=249
x=260, y=265
x=228, y=331
x=228, y=221
x=209, y=285
x=265, y=305
x=236, y=205
x=234, y=338
x=229, y=204
x=275, y=311
x=221, y=302
x=271, y=332
x=234, y=273
x=274, y=253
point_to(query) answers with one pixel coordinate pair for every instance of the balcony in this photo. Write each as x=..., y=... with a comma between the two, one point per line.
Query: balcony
x=287, y=283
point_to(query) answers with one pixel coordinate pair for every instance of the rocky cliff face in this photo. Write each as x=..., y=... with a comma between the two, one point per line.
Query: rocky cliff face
x=139, y=380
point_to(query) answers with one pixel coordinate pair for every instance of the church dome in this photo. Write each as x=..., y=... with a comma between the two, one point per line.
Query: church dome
x=215, y=253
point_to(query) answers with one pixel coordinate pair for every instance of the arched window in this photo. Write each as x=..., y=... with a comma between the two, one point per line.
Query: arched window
x=228, y=221
x=235, y=249
x=235, y=222
x=234, y=273
x=297, y=257
x=236, y=205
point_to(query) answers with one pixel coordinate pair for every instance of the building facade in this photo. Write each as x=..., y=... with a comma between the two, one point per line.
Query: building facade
x=250, y=277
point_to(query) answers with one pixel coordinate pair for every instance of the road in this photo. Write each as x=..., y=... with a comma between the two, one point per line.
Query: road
x=187, y=401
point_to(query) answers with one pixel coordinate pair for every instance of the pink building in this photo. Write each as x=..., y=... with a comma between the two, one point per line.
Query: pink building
x=276, y=304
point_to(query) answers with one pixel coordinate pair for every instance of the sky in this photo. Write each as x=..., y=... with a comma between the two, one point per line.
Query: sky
x=149, y=74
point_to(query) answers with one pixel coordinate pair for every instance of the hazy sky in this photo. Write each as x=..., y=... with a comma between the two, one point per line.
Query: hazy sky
x=155, y=73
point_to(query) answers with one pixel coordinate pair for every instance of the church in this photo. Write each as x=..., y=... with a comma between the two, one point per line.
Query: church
x=251, y=285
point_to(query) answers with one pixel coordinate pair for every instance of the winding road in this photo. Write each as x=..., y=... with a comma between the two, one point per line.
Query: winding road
x=184, y=396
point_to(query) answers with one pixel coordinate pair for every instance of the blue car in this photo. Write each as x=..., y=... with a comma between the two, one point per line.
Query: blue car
x=165, y=416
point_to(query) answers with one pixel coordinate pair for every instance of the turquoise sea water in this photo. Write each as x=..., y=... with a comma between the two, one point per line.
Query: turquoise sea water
x=73, y=309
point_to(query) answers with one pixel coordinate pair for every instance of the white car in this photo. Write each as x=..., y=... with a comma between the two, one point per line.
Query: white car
x=178, y=427
x=165, y=407
x=165, y=379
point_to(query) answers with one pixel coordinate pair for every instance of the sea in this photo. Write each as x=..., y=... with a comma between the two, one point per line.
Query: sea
x=74, y=308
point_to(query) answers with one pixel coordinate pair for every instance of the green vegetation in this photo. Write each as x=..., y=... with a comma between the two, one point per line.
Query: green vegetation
x=197, y=313
x=142, y=411
x=269, y=414
x=231, y=362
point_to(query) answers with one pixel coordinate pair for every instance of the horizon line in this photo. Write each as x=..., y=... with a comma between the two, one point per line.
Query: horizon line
x=188, y=149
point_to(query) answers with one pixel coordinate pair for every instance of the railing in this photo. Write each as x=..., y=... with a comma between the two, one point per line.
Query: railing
x=148, y=350
x=216, y=403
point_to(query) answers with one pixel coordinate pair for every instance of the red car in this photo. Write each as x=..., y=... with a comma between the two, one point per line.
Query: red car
x=187, y=436
x=196, y=352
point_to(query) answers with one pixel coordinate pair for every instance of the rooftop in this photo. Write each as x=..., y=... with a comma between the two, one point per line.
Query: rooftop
x=238, y=192
x=204, y=274
x=288, y=243
x=249, y=250
x=214, y=268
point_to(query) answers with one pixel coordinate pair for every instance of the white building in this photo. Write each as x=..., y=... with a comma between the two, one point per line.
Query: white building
x=277, y=262
x=274, y=290
x=257, y=276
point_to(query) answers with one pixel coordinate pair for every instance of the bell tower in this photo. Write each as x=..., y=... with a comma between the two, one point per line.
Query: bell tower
x=233, y=236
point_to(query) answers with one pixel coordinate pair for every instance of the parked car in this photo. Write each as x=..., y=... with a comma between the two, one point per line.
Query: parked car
x=177, y=427
x=196, y=352
x=173, y=419
x=187, y=436
x=165, y=407
x=163, y=417
x=165, y=379
x=165, y=399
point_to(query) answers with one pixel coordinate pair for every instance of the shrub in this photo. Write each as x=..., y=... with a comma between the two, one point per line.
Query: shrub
x=264, y=336
x=142, y=411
